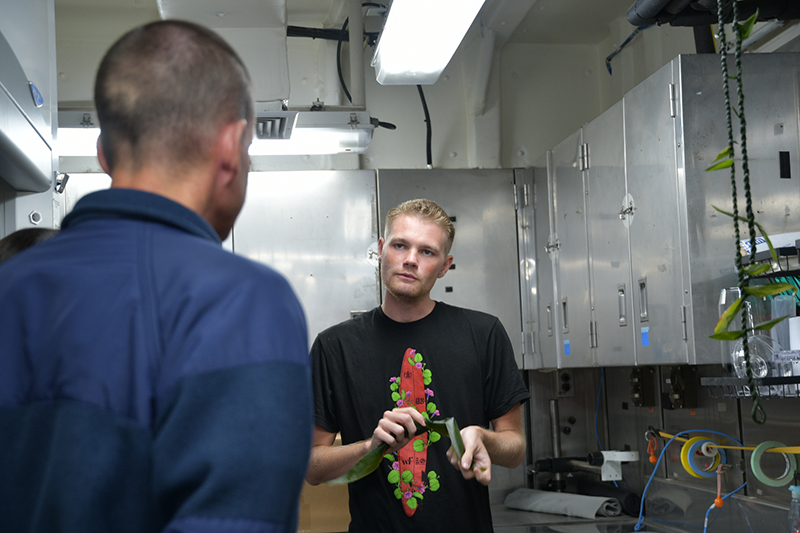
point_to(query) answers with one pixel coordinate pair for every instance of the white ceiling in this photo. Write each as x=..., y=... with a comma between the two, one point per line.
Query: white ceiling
x=547, y=21
x=85, y=28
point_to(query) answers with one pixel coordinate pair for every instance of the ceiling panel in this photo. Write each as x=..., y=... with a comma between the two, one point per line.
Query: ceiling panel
x=569, y=21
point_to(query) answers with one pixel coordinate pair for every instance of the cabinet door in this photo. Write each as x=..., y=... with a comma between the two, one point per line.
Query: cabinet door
x=320, y=230
x=773, y=143
x=610, y=212
x=528, y=267
x=485, y=271
x=574, y=310
x=656, y=260
x=545, y=257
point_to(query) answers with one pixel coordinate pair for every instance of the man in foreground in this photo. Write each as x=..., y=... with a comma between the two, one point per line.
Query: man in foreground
x=150, y=380
x=379, y=375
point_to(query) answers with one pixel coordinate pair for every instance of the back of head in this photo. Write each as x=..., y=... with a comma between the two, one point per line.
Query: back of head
x=163, y=89
x=427, y=209
x=23, y=239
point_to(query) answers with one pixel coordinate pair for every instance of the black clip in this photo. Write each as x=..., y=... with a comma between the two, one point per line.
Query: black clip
x=61, y=182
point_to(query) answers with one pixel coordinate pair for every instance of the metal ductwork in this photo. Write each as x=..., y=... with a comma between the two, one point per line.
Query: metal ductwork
x=25, y=155
x=704, y=12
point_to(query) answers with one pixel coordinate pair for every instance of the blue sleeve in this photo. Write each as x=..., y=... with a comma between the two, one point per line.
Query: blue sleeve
x=231, y=449
x=233, y=420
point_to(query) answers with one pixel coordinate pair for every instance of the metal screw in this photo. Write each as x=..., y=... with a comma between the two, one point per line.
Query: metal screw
x=35, y=217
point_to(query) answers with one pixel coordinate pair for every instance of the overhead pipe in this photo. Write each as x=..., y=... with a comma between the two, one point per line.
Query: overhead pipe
x=357, y=82
x=645, y=12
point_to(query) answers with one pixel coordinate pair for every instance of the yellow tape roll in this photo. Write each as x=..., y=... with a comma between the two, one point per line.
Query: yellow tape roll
x=755, y=465
x=690, y=448
x=685, y=455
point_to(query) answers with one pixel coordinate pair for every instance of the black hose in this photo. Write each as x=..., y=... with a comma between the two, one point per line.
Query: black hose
x=339, y=62
x=342, y=35
x=428, y=125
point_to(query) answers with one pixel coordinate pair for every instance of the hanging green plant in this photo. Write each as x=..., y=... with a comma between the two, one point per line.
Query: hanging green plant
x=724, y=160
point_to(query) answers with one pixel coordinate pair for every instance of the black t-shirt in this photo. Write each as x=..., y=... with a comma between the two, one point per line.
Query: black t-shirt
x=472, y=377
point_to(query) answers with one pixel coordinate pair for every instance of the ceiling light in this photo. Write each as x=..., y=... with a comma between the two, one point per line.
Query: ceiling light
x=76, y=142
x=312, y=133
x=419, y=38
x=277, y=133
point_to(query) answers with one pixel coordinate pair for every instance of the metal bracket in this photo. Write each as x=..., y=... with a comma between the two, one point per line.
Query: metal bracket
x=61, y=182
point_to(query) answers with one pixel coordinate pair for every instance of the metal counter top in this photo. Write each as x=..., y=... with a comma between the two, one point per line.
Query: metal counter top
x=513, y=521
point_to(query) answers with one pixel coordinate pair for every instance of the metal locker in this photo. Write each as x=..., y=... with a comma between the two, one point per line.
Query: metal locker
x=549, y=335
x=610, y=210
x=572, y=271
x=656, y=255
x=524, y=194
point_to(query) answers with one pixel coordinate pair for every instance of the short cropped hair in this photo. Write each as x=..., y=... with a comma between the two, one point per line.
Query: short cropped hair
x=427, y=209
x=162, y=91
x=23, y=239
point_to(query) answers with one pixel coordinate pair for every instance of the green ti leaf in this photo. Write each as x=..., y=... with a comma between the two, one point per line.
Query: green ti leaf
x=725, y=154
x=756, y=269
x=368, y=464
x=770, y=324
x=727, y=317
x=745, y=28
x=771, y=289
x=727, y=335
x=728, y=163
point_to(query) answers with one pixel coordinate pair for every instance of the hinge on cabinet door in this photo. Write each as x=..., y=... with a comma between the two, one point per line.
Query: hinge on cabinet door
x=528, y=339
x=592, y=334
x=672, y=111
x=583, y=157
x=683, y=322
x=526, y=195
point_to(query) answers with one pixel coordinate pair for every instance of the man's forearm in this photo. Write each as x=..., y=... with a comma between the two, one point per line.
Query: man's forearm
x=330, y=462
x=506, y=448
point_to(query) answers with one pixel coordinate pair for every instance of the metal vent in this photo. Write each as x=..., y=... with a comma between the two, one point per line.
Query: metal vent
x=275, y=125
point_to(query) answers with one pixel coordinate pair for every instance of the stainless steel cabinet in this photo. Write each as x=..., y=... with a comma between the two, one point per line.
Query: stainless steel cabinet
x=320, y=230
x=610, y=212
x=546, y=259
x=639, y=255
x=573, y=308
x=652, y=174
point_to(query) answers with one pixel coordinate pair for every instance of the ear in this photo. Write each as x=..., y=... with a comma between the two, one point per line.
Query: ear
x=446, y=266
x=381, y=242
x=101, y=156
x=228, y=149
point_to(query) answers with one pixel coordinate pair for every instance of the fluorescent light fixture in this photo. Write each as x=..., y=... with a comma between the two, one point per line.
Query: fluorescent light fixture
x=74, y=142
x=419, y=38
x=319, y=132
x=312, y=133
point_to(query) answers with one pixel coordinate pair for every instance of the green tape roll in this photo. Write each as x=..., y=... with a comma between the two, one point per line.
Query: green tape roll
x=755, y=465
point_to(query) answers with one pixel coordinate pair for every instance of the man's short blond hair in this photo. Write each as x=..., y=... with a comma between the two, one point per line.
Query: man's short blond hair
x=427, y=209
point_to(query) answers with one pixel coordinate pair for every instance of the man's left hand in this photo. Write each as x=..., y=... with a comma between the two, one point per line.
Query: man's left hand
x=475, y=463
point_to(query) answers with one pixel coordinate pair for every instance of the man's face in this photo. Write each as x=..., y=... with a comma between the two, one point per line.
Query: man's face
x=413, y=257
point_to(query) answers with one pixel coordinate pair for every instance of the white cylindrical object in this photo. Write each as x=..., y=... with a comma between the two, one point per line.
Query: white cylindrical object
x=794, y=333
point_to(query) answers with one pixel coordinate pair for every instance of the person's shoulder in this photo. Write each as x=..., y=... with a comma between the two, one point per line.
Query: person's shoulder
x=473, y=316
x=354, y=326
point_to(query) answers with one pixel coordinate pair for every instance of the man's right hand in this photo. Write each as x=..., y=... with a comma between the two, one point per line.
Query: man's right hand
x=397, y=428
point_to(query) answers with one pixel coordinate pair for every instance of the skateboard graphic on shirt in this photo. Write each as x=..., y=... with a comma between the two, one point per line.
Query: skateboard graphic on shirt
x=409, y=465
